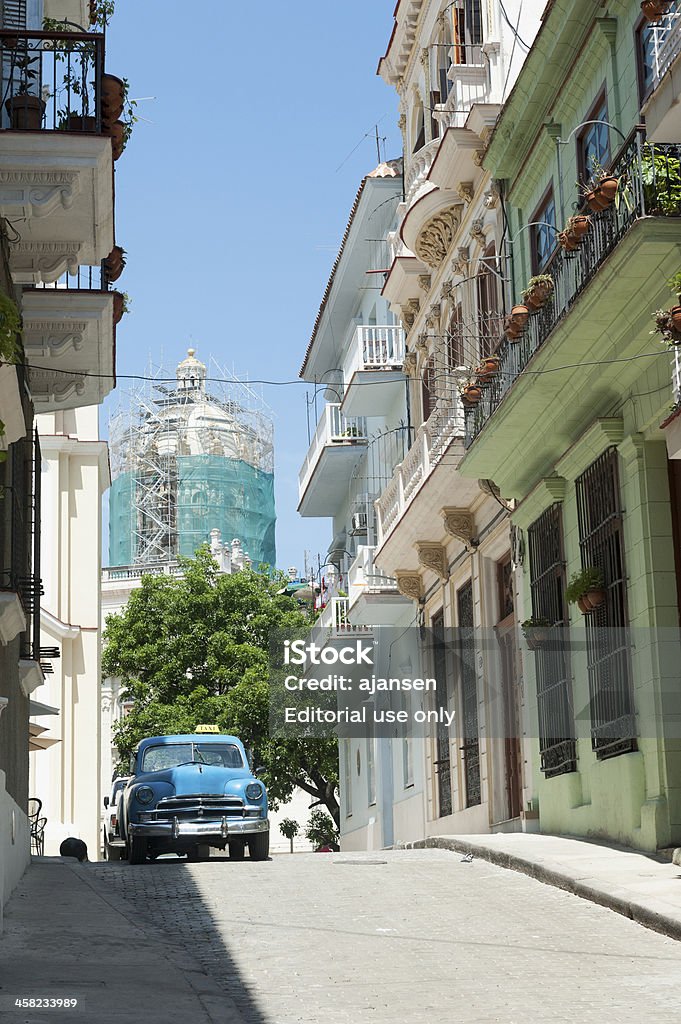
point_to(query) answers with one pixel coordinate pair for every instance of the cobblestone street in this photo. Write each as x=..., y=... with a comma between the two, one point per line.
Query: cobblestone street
x=414, y=936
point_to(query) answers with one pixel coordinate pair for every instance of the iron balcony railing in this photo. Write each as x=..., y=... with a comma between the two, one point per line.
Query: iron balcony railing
x=51, y=81
x=88, y=279
x=665, y=44
x=375, y=348
x=650, y=184
x=333, y=430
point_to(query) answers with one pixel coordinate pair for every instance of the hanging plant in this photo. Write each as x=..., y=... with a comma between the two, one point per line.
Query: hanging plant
x=488, y=368
x=538, y=292
x=568, y=241
x=470, y=392
x=668, y=321
x=587, y=590
x=578, y=225
x=10, y=327
x=653, y=10
x=536, y=632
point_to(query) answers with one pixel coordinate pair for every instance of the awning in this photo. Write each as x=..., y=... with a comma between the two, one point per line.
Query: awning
x=36, y=708
x=41, y=742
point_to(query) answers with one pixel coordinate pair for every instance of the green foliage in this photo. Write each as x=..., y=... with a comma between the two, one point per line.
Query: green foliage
x=674, y=283
x=101, y=12
x=321, y=830
x=540, y=279
x=582, y=582
x=10, y=327
x=194, y=649
x=535, y=622
x=661, y=177
x=289, y=828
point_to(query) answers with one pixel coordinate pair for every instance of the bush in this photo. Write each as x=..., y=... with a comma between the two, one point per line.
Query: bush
x=321, y=830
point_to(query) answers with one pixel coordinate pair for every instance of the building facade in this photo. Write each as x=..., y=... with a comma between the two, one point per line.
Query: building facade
x=59, y=147
x=576, y=425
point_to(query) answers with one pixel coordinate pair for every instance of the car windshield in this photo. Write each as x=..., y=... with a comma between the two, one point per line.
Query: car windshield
x=169, y=755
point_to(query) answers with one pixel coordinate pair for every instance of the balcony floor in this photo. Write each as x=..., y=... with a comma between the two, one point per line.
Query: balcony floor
x=542, y=415
x=362, y=400
x=327, y=486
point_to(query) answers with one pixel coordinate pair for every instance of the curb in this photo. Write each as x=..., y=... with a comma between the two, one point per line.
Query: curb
x=637, y=912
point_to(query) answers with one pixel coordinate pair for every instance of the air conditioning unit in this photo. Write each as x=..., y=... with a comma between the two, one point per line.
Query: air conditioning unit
x=360, y=523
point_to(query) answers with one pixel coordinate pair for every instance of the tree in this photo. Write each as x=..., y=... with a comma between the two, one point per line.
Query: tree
x=321, y=830
x=289, y=828
x=194, y=649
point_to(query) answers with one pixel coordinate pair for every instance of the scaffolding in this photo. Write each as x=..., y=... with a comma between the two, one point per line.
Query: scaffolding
x=189, y=456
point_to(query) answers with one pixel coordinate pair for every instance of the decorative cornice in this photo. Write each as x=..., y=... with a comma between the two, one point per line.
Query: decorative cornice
x=548, y=492
x=47, y=260
x=49, y=386
x=434, y=557
x=632, y=449
x=38, y=192
x=489, y=487
x=459, y=523
x=436, y=237
x=602, y=434
x=465, y=191
x=409, y=584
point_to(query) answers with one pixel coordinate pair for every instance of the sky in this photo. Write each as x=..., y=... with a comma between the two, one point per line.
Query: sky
x=231, y=200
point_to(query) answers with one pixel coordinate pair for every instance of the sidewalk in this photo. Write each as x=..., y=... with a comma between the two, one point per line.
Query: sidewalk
x=640, y=887
x=64, y=939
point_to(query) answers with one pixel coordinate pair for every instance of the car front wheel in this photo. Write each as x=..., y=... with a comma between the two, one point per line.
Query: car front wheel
x=237, y=850
x=259, y=846
x=137, y=850
x=113, y=852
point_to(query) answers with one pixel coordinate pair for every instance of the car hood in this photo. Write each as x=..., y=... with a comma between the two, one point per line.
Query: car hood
x=189, y=779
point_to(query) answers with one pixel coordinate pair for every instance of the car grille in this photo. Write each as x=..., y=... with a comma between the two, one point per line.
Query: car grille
x=200, y=806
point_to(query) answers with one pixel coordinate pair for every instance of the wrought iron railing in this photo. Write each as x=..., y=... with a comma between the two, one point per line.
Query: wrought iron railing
x=665, y=43
x=51, y=80
x=676, y=376
x=650, y=185
x=90, y=279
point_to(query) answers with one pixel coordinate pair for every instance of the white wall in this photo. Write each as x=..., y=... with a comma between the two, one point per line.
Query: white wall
x=14, y=845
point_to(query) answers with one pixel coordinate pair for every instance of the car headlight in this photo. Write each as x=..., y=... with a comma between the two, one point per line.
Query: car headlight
x=145, y=794
x=254, y=791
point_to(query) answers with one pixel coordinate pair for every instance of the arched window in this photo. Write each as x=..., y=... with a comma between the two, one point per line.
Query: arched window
x=419, y=129
x=456, y=356
x=489, y=302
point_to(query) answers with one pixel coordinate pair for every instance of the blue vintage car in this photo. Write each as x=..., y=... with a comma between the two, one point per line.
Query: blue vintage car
x=189, y=793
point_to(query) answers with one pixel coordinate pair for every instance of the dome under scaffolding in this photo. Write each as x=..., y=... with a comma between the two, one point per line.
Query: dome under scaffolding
x=188, y=457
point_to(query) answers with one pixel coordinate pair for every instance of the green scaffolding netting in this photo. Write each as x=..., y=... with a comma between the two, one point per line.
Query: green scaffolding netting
x=211, y=492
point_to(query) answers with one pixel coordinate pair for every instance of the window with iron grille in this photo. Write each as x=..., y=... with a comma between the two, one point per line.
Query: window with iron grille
x=469, y=694
x=443, y=765
x=552, y=662
x=489, y=302
x=601, y=542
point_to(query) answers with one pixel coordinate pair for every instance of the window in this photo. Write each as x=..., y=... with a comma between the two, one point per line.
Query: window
x=467, y=26
x=443, y=766
x=601, y=543
x=456, y=356
x=469, y=694
x=552, y=663
x=170, y=755
x=419, y=130
x=593, y=142
x=646, y=51
x=543, y=232
x=371, y=769
x=489, y=323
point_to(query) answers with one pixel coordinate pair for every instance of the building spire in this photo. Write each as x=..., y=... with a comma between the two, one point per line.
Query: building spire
x=191, y=373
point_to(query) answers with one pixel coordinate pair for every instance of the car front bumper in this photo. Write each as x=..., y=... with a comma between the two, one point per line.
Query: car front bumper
x=223, y=828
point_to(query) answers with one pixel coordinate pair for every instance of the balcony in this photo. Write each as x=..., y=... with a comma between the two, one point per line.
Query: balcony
x=56, y=160
x=470, y=84
x=578, y=354
x=375, y=357
x=69, y=340
x=373, y=596
x=418, y=168
x=338, y=443
x=661, y=109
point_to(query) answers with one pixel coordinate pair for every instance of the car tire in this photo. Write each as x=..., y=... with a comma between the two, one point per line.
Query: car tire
x=237, y=851
x=259, y=846
x=137, y=850
x=193, y=855
x=113, y=853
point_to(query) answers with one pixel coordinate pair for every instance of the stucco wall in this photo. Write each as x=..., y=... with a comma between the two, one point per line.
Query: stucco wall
x=14, y=844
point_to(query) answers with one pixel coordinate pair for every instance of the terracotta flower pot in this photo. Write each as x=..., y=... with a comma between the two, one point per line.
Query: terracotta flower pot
x=116, y=133
x=595, y=201
x=118, y=310
x=568, y=241
x=595, y=598
x=583, y=606
x=25, y=112
x=652, y=10
x=512, y=329
x=675, y=314
x=579, y=225
x=113, y=97
x=536, y=637
x=488, y=367
x=520, y=314
x=472, y=394
x=607, y=187
x=114, y=264
x=76, y=123
x=538, y=295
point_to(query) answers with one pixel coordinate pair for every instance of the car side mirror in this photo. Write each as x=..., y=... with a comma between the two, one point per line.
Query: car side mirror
x=260, y=768
x=106, y=801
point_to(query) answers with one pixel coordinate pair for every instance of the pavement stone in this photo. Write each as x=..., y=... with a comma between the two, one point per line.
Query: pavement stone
x=417, y=936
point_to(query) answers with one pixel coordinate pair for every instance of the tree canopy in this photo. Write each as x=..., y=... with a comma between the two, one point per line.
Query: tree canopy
x=194, y=649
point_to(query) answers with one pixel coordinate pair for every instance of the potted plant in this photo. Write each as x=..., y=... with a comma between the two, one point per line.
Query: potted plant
x=121, y=306
x=587, y=590
x=601, y=189
x=653, y=10
x=578, y=225
x=536, y=632
x=488, y=367
x=24, y=107
x=101, y=12
x=538, y=291
x=470, y=391
x=512, y=329
x=114, y=264
x=568, y=241
x=675, y=312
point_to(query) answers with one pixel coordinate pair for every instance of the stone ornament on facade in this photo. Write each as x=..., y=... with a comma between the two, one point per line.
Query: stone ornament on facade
x=433, y=315
x=517, y=547
x=409, y=584
x=39, y=192
x=46, y=386
x=461, y=261
x=46, y=260
x=410, y=365
x=435, y=239
x=460, y=524
x=464, y=191
x=433, y=556
x=478, y=157
x=492, y=195
x=477, y=232
x=53, y=339
x=422, y=342
x=489, y=487
x=424, y=281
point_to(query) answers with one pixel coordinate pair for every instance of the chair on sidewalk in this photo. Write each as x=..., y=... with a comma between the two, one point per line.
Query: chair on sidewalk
x=38, y=836
x=35, y=806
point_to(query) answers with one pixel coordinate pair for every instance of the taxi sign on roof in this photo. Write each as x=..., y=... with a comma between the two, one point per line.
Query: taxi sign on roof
x=207, y=728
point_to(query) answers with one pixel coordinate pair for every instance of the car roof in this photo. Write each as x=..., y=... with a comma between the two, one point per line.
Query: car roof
x=192, y=737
